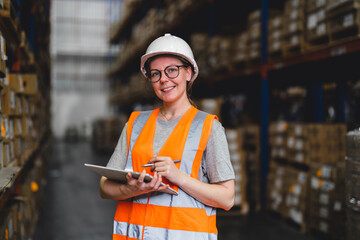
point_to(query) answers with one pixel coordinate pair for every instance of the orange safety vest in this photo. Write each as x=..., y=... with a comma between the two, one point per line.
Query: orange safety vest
x=161, y=215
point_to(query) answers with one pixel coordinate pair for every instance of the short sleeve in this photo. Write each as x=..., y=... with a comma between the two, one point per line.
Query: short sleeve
x=217, y=162
x=119, y=156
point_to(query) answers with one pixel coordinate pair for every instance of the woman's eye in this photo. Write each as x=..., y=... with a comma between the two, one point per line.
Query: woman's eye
x=154, y=74
x=171, y=70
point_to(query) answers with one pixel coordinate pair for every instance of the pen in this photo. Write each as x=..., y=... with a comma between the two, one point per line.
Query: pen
x=152, y=164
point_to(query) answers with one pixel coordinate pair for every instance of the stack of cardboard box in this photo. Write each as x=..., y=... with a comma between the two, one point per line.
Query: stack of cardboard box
x=298, y=146
x=278, y=140
x=326, y=199
x=343, y=18
x=211, y=105
x=294, y=32
x=200, y=46
x=8, y=222
x=276, y=185
x=275, y=36
x=241, y=50
x=352, y=184
x=253, y=167
x=317, y=31
x=235, y=138
x=19, y=97
x=327, y=142
x=106, y=132
x=254, y=29
x=307, y=171
x=296, y=193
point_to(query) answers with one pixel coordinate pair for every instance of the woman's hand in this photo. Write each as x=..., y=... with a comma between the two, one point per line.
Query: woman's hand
x=139, y=186
x=166, y=167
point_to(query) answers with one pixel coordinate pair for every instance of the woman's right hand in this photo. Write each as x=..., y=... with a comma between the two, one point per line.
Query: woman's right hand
x=134, y=187
x=139, y=186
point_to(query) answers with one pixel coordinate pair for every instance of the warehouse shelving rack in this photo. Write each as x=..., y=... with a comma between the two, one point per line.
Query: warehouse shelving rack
x=25, y=53
x=123, y=28
x=264, y=70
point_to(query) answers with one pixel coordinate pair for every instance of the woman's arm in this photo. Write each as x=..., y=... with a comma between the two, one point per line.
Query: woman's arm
x=118, y=191
x=219, y=195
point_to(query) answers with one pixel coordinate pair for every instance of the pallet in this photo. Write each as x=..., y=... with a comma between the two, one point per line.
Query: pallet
x=255, y=207
x=319, y=35
x=350, y=33
x=314, y=5
x=323, y=236
x=303, y=228
x=339, y=5
x=279, y=217
x=345, y=21
x=293, y=48
x=275, y=54
x=238, y=210
x=5, y=11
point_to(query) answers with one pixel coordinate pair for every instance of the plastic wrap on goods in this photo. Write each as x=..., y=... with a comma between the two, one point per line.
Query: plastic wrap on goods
x=353, y=144
x=352, y=182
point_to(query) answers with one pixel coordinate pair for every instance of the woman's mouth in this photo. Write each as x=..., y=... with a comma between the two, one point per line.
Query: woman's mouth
x=167, y=89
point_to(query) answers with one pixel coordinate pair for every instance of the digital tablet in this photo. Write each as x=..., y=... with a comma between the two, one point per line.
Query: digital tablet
x=120, y=175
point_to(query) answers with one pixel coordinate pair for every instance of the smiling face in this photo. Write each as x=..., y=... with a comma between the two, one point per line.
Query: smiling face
x=171, y=90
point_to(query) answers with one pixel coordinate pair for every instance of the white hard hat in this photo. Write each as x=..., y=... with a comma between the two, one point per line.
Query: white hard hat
x=169, y=44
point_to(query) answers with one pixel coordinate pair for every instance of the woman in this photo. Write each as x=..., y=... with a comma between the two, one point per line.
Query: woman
x=203, y=178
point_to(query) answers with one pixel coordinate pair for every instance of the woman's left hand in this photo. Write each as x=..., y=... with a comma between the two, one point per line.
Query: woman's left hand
x=166, y=167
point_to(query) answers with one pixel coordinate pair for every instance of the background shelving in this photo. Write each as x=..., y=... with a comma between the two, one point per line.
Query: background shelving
x=296, y=64
x=24, y=113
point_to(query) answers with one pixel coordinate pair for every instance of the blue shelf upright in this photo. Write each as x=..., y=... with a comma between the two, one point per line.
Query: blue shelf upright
x=264, y=145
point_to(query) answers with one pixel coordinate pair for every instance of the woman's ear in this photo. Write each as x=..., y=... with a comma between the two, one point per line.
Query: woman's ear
x=188, y=74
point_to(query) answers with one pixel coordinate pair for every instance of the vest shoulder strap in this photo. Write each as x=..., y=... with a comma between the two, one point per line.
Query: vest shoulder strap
x=137, y=119
x=205, y=134
x=129, y=128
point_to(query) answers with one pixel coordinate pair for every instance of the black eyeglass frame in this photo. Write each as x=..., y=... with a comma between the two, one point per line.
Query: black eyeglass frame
x=159, y=71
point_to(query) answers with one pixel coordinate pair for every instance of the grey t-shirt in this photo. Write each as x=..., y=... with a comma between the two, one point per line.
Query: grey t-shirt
x=215, y=165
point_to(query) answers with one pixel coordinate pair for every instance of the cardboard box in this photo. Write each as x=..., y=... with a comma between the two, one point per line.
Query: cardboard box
x=352, y=224
x=25, y=217
x=332, y=228
x=30, y=83
x=334, y=172
x=25, y=105
x=6, y=153
x=26, y=126
x=1, y=155
x=333, y=210
x=317, y=26
x=313, y=5
x=8, y=223
x=8, y=101
x=18, y=146
x=211, y=105
x=16, y=82
x=295, y=214
x=279, y=127
x=17, y=126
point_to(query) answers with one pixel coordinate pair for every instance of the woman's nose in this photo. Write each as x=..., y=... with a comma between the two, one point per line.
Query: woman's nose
x=163, y=77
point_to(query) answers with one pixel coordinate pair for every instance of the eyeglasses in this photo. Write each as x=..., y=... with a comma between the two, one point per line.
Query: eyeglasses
x=171, y=71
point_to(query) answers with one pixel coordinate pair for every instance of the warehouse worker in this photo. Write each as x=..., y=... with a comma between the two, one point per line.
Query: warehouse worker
x=189, y=151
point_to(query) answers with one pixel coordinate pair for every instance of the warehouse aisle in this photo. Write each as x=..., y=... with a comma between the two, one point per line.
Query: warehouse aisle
x=72, y=206
x=73, y=210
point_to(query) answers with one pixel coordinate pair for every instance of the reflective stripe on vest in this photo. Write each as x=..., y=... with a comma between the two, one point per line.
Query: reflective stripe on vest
x=149, y=216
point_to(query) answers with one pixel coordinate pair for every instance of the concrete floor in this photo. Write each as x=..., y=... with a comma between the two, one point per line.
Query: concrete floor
x=73, y=209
